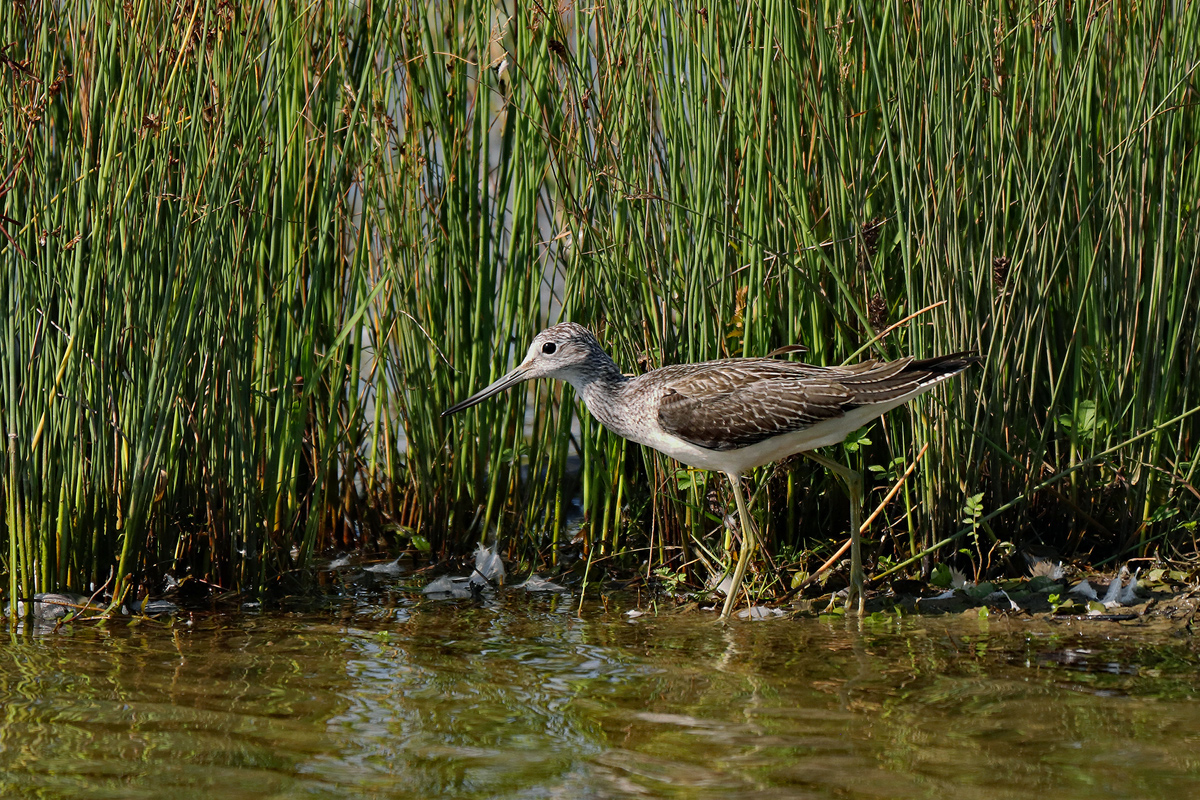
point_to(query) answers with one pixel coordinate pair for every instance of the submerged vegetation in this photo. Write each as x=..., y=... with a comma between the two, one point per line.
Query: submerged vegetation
x=251, y=251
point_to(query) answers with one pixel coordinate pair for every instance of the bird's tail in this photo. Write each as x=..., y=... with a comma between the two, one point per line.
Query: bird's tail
x=943, y=366
x=890, y=383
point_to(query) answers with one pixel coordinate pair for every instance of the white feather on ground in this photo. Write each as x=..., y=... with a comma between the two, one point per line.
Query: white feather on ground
x=457, y=588
x=722, y=586
x=996, y=595
x=1128, y=594
x=488, y=565
x=1085, y=590
x=1114, y=590
x=391, y=568
x=958, y=580
x=536, y=583
x=759, y=613
x=1118, y=592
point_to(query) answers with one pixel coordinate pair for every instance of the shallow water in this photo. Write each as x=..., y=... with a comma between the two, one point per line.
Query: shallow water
x=520, y=697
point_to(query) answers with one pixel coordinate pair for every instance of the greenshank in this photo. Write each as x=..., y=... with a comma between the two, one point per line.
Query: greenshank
x=733, y=414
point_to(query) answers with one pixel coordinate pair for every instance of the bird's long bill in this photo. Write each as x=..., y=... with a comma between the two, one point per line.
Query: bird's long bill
x=511, y=379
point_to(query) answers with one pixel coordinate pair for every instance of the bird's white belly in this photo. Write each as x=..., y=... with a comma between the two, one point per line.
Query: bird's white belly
x=744, y=459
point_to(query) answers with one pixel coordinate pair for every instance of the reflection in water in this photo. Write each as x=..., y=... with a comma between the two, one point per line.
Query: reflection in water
x=521, y=698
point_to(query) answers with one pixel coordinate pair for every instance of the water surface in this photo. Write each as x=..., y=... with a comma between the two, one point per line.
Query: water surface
x=522, y=697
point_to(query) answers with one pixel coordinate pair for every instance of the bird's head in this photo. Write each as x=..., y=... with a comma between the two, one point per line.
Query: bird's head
x=566, y=352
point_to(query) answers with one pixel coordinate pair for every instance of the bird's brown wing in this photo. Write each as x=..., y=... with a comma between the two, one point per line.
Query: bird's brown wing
x=727, y=412
x=727, y=405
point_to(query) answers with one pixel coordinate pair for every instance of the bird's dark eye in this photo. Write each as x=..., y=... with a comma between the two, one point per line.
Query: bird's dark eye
x=549, y=347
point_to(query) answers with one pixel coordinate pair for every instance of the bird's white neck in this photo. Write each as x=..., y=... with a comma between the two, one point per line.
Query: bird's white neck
x=601, y=390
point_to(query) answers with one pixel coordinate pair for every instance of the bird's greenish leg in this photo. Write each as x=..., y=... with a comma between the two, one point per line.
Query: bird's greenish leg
x=854, y=488
x=748, y=545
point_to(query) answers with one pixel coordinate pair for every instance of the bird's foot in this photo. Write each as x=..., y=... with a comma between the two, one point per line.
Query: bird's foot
x=833, y=598
x=856, y=595
x=855, y=603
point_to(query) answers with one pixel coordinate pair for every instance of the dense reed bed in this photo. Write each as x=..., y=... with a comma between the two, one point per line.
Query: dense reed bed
x=251, y=251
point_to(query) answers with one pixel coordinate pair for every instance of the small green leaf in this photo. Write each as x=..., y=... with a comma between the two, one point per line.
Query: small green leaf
x=685, y=478
x=1084, y=420
x=973, y=509
x=857, y=440
x=1163, y=513
x=980, y=591
x=1042, y=583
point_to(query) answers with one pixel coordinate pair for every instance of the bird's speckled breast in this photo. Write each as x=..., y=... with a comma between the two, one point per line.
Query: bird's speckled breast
x=630, y=410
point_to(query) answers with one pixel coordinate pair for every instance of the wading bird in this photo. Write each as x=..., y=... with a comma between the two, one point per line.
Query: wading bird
x=733, y=414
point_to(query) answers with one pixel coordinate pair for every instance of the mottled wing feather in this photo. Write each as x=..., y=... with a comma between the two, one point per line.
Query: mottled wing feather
x=728, y=405
x=750, y=413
